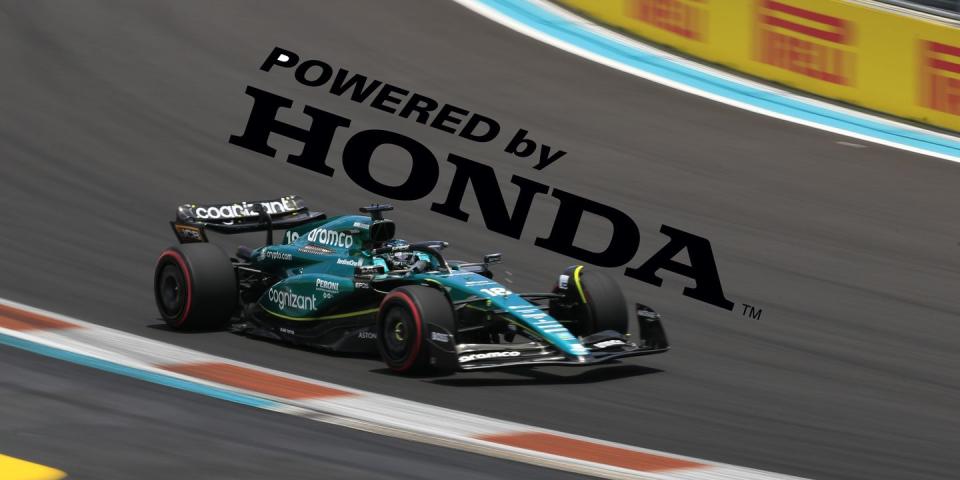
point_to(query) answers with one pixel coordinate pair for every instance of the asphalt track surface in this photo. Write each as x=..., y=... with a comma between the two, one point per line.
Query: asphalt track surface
x=113, y=113
x=96, y=425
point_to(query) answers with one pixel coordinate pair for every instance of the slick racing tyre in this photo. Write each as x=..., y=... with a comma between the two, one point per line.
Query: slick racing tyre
x=402, y=327
x=592, y=302
x=195, y=287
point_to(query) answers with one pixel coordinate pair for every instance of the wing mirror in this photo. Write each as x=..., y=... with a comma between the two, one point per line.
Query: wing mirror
x=432, y=244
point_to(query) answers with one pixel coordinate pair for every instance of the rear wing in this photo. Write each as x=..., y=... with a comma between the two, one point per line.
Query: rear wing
x=193, y=221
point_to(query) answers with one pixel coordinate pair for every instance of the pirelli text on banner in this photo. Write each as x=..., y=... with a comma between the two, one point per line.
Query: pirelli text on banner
x=939, y=74
x=686, y=18
x=806, y=41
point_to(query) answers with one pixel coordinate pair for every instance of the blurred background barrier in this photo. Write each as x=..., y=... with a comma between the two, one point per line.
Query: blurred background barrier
x=947, y=8
x=862, y=53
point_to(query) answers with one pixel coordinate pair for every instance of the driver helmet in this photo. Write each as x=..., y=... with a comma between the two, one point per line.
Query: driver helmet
x=402, y=260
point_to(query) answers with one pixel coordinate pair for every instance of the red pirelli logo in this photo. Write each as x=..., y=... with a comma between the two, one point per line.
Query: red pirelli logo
x=804, y=41
x=940, y=77
x=687, y=18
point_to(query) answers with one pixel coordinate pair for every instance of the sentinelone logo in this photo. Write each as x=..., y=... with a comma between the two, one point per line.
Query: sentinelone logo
x=803, y=41
x=687, y=18
x=940, y=77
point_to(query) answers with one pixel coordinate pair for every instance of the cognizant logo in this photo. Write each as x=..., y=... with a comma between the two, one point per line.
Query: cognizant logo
x=244, y=209
x=286, y=298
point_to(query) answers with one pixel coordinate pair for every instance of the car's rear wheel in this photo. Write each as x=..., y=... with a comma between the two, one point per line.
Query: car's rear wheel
x=195, y=287
x=592, y=302
x=402, y=328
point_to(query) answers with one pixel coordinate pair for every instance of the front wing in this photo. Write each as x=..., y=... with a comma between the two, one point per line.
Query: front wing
x=602, y=347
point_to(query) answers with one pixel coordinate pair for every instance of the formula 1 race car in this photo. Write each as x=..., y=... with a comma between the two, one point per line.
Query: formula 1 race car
x=346, y=284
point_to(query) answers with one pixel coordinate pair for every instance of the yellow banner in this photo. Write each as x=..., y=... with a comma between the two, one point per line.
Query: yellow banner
x=855, y=53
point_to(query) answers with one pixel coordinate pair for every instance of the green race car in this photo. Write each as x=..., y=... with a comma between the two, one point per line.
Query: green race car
x=346, y=284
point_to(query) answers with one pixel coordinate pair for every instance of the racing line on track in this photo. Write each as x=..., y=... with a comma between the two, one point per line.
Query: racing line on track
x=91, y=345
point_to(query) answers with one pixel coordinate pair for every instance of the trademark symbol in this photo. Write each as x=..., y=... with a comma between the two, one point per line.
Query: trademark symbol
x=752, y=312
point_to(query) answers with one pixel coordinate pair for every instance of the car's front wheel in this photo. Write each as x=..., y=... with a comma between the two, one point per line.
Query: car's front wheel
x=593, y=302
x=402, y=327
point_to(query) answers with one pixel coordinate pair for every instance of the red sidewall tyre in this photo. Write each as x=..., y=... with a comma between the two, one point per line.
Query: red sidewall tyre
x=402, y=328
x=195, y=287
